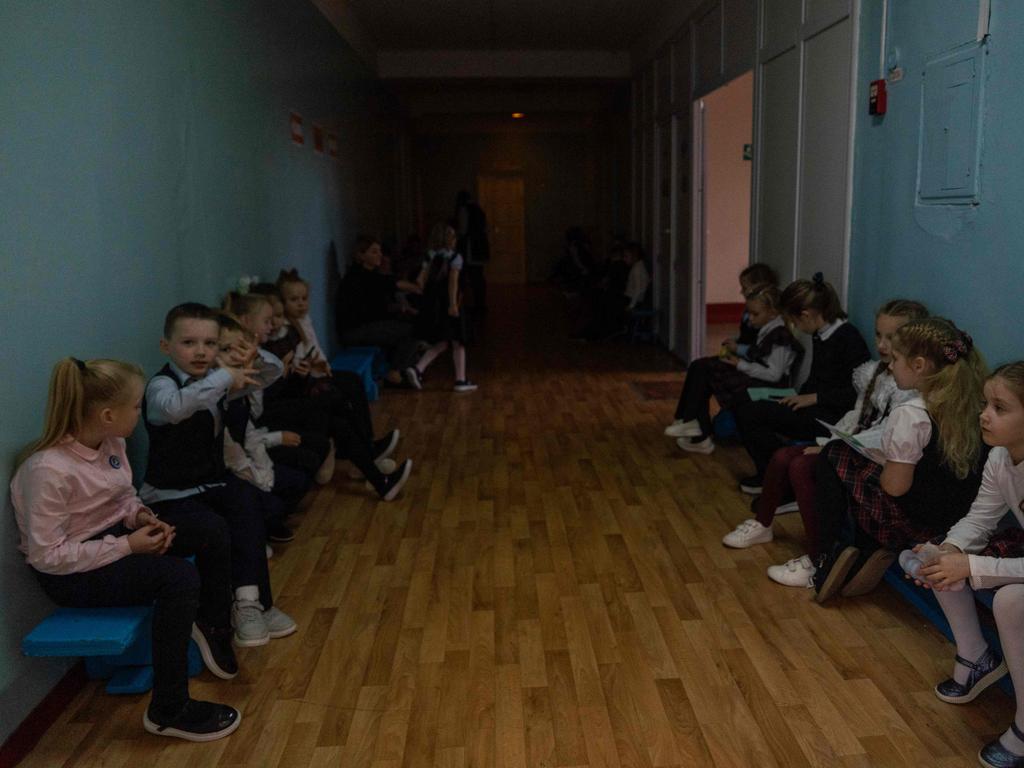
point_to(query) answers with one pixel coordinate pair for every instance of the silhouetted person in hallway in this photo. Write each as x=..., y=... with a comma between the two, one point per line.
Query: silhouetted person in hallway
x=473, y=244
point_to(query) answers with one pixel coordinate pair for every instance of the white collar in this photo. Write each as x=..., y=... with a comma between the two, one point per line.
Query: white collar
x=828, y=330
x=768, y=327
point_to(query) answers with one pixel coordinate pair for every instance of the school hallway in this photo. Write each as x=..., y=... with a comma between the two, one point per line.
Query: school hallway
x=550, y=590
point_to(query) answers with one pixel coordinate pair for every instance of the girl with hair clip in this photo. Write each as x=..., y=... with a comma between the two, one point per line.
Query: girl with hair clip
x=441, y=321
x=92, y=543
x=765, y=362
x=928, y=470
x=978, y=552
x=341, y=396
x=296, y=433
x=811, y=306
x=790, y=473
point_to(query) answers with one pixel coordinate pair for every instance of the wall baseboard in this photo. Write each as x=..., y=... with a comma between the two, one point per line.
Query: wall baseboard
x=725, y=313
x=27, y=735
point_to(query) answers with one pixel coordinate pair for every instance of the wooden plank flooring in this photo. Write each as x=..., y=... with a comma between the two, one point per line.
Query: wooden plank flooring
x=551, y=591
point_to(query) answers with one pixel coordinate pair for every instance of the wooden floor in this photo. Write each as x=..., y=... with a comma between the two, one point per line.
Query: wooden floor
x=551, y=591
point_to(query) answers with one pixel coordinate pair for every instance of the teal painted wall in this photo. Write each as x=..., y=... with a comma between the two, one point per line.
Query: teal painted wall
x=972, y=271
x=145, y=161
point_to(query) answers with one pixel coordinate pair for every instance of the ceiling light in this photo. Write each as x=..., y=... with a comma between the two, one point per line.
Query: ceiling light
x=518, y=115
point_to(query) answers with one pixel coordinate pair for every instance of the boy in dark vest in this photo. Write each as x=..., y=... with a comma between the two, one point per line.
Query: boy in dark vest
x=184, y=409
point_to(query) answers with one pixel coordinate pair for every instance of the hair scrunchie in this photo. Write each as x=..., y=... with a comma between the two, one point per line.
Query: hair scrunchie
x=818, y=279
x=959, y=348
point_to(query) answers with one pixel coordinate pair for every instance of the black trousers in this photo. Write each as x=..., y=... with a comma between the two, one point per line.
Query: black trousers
x=305, y=418
x=242, y=506
x=394, y=336
x=350, y=422
x=693, y=400
x=179, y=592
x=761, y=422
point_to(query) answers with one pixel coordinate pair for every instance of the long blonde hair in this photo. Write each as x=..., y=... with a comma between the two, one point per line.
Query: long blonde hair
x=953, y=392
x=76, y=386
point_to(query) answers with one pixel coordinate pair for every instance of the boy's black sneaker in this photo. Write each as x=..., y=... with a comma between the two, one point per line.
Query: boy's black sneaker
x=197, y=721
x=393, y=483
x=278, y=532
x=386, y=445
x=216, y=650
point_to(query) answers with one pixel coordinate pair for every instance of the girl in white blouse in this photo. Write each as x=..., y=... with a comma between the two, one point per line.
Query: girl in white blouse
x=986, y=557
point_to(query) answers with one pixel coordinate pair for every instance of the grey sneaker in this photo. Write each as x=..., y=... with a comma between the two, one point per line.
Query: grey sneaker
x=250, y=626
x=279, y=623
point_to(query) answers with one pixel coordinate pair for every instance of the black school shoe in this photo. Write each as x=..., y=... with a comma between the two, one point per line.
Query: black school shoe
x=393, y=483
x=828, y=581
x=197, y=721
x=384, y=447
x=278, y=532
x=216, y=650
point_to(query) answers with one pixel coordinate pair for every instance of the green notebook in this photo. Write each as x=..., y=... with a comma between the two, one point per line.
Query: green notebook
x=770, y=393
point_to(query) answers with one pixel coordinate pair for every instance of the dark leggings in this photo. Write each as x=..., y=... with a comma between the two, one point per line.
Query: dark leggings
x=791, y=473
x=343, y=398
x=761, y=422
x=172, y=585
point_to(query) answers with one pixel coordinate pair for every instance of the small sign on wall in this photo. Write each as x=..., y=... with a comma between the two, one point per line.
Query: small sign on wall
x=748, y=151
x=318, y=139
x=295, y=126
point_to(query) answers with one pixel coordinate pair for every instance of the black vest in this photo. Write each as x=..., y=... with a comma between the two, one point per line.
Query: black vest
x=937, y=499
x=186, y=454
x=777, y=337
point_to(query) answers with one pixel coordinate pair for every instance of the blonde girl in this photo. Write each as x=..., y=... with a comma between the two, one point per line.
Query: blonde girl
x=932, y=453
x=977, y=551
x=92, y=542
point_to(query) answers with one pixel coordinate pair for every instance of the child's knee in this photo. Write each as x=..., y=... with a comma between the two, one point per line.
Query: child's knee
x=1008, y=605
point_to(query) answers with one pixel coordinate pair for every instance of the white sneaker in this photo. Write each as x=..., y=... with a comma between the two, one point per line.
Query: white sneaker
x=250, y=626
x=798, y=572
x=747, y=534
x=707, y=445
x=680, y=428
x=279, y=623
x=785, y=509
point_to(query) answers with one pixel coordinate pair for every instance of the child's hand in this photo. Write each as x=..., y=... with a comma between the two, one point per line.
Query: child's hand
x=291, y=439
x=247, y=351
x=730, y=360
x=947, y=570
x=148, y=540
x=286, y=361
x=796, y=402
x=322, y=366
x=241, y=377
x=301, y=368
x=730, y=344
x=811, y=450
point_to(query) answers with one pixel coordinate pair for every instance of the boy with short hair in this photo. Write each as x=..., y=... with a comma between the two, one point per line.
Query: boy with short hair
x=184, y=410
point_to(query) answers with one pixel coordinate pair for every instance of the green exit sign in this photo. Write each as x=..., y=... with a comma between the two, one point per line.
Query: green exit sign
x=748, y=151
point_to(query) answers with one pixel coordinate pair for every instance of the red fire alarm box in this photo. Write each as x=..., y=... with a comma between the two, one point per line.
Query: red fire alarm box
x=877, y=98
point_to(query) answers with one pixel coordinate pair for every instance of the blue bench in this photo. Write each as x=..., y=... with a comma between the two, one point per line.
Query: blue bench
x=115, y=643
x=366, y=362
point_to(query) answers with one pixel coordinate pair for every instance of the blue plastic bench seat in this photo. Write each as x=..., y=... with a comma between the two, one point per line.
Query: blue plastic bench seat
x=114, y=641
x=363, y=361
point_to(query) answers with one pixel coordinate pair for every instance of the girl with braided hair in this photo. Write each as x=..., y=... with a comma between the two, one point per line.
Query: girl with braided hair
x=933, y=456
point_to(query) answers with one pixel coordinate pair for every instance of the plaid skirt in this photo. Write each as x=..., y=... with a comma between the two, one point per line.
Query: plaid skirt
x=877, y=513
x=1008, y=542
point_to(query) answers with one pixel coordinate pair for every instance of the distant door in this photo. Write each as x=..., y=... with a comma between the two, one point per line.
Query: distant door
x=503, y=201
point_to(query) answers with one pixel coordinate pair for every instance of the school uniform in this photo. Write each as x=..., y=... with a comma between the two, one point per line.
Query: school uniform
x=766, y=363
x=434, y=323
x=996, y=555
x=837, y=349
x=186, y=474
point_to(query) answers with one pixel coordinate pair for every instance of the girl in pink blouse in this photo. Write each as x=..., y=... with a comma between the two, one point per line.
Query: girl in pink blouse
x=92, y=543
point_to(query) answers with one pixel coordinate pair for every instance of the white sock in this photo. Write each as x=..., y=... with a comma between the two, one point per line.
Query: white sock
x=250, y=593
x=1008, y=608
x=962, y=613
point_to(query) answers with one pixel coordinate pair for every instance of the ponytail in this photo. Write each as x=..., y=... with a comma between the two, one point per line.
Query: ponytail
x=75, y=387
x=814, y=294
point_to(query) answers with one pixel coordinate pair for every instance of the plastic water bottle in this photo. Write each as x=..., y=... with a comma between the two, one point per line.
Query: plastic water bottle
x=912, y=562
